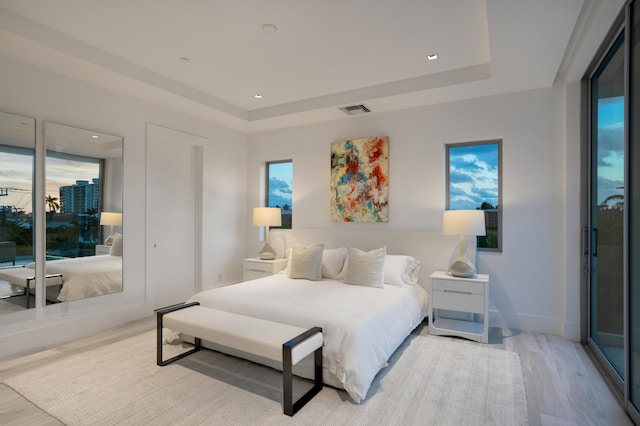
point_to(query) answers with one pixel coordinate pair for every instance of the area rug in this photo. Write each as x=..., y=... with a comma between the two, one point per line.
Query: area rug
x=8, y=307
x=430, y=381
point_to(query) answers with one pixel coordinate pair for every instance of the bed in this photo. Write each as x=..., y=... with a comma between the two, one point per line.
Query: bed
x=363, y=324
x=86, y=276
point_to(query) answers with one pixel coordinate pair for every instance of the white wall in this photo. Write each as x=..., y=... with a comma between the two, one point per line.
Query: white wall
x=528, y=277
x=46, y=96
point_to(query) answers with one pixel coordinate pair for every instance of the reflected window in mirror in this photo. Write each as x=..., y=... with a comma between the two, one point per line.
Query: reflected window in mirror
x=73, y=203
x=83, y=182
x=17, y=144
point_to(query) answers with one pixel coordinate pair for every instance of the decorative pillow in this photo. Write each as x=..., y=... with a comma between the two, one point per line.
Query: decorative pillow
x=333, y=261
x=306, y=262
x=116, y=246
x=400, y=269
x=365, y=268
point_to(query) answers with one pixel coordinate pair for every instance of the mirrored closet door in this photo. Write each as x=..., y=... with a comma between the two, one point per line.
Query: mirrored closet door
x=17, y=159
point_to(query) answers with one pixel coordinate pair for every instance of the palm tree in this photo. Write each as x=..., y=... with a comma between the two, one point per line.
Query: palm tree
x=52, y=202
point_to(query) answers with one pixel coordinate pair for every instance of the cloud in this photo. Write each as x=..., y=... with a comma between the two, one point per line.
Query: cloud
x=280, y=192
x=473, y=176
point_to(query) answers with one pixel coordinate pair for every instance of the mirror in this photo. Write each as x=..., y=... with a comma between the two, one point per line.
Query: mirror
x=83, y=205
x=17, y=154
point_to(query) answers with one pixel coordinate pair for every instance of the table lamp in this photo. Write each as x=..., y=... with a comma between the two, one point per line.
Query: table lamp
x=267, y=216
x=110, y=219
x=463, y=223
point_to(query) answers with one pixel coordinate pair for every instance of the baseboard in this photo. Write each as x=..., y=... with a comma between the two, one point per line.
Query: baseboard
x=523, y=322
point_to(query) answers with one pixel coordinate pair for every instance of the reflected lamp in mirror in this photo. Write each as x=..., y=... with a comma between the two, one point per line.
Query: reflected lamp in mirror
x=110, y=219
x=463, y=223
x=267, y=216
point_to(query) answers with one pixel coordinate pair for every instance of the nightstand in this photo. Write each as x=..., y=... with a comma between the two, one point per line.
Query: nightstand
x=102, y=249
x=469, y=295
x=257, y=268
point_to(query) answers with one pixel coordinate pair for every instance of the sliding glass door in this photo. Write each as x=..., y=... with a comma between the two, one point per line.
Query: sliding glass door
x=607, y=207
x=614, y=210
x=633, y=207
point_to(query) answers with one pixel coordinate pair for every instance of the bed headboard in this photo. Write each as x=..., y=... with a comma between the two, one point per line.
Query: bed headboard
x=432, y=249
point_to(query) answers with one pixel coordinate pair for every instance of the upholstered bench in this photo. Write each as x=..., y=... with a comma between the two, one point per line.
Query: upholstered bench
x=283, y=343
x=25, y=277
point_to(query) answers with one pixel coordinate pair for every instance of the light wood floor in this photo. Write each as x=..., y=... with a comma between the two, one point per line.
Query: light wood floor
x=562, y=384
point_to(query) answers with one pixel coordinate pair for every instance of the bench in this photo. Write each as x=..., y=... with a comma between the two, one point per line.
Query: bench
x=25, y=277
x=283, y=343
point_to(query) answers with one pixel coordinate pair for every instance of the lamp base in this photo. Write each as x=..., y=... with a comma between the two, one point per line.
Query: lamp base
x=462, y=269
x=267, y=252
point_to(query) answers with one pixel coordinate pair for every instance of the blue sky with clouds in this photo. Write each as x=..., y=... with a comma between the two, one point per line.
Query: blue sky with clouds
x=280, y=184
x=473, y=176
x=610, y=147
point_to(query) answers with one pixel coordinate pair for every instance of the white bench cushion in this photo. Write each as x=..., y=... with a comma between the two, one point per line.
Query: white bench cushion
x=247, y=334
x=20, y=276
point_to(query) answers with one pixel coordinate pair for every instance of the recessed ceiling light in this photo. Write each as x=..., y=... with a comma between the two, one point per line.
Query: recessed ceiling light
x=257, y=96
x=269, y=28
x=95, y=137
x=432, y=57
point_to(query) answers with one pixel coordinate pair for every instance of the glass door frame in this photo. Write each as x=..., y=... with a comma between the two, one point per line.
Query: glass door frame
x=616, y=380
x=621, y=386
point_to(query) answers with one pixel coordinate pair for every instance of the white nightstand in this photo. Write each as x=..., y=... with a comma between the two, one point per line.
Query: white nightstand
x=462, y=295
x=257, y=268
x=102, y=249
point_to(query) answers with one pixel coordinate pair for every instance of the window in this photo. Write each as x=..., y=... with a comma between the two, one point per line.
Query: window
x=280, y=189
x=16, y=209
x=72, y=204
x=474, y=183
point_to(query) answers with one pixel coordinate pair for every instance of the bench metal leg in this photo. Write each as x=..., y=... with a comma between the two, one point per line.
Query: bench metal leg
x=160, y=315
x=291, y=407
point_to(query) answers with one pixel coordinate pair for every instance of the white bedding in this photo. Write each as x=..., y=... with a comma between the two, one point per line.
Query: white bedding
x=86, y=276
x=362, y=326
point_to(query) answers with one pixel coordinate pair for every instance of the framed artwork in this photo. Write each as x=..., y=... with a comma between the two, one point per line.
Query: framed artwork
x=360, y=180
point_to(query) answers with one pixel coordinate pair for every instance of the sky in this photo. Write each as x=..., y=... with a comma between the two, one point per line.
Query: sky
x=610, y=147
x=16, y=174
x=280, y=184
x=473, y=176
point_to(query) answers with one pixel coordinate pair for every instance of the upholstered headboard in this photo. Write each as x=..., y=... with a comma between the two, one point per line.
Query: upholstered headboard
x=433, y=250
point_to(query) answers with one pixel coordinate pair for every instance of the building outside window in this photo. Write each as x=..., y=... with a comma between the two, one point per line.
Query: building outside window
x=474, y=171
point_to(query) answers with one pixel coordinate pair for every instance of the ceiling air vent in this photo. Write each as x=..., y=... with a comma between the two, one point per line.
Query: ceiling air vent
x=355, y=109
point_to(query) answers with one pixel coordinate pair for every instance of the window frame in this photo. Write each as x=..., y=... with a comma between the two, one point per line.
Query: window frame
x=497, y=142
x=266, y=190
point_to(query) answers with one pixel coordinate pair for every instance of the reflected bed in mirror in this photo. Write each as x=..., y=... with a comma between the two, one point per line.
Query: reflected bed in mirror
x=83, y=180
x=17, y=148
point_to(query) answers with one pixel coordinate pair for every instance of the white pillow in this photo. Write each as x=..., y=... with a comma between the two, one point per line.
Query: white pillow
x=306, y=262
x=333, y=261
x=365, y=268
x=116, y=246
x=400, y=269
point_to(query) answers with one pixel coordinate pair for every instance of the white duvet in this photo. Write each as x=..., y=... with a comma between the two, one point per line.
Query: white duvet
x=362, y=326
x=86, y=276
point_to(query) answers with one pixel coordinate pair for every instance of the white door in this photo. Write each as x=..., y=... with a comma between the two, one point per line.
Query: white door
x=172, y=216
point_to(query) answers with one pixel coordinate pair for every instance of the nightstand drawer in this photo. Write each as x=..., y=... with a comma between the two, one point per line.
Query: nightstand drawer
x=256, y=268
x=469, y=287
x=456, y=301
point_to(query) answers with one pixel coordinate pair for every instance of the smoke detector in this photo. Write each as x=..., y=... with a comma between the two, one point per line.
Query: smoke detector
x=355, y=109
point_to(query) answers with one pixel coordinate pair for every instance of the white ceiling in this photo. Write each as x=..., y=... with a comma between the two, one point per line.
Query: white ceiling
x=324, y=54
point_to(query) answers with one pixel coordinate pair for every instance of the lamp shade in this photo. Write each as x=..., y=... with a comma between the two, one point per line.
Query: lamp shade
x=463, y=222
x=267, y=216
x=110, y=218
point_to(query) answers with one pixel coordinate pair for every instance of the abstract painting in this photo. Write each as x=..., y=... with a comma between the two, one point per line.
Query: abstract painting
x=360, y=180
